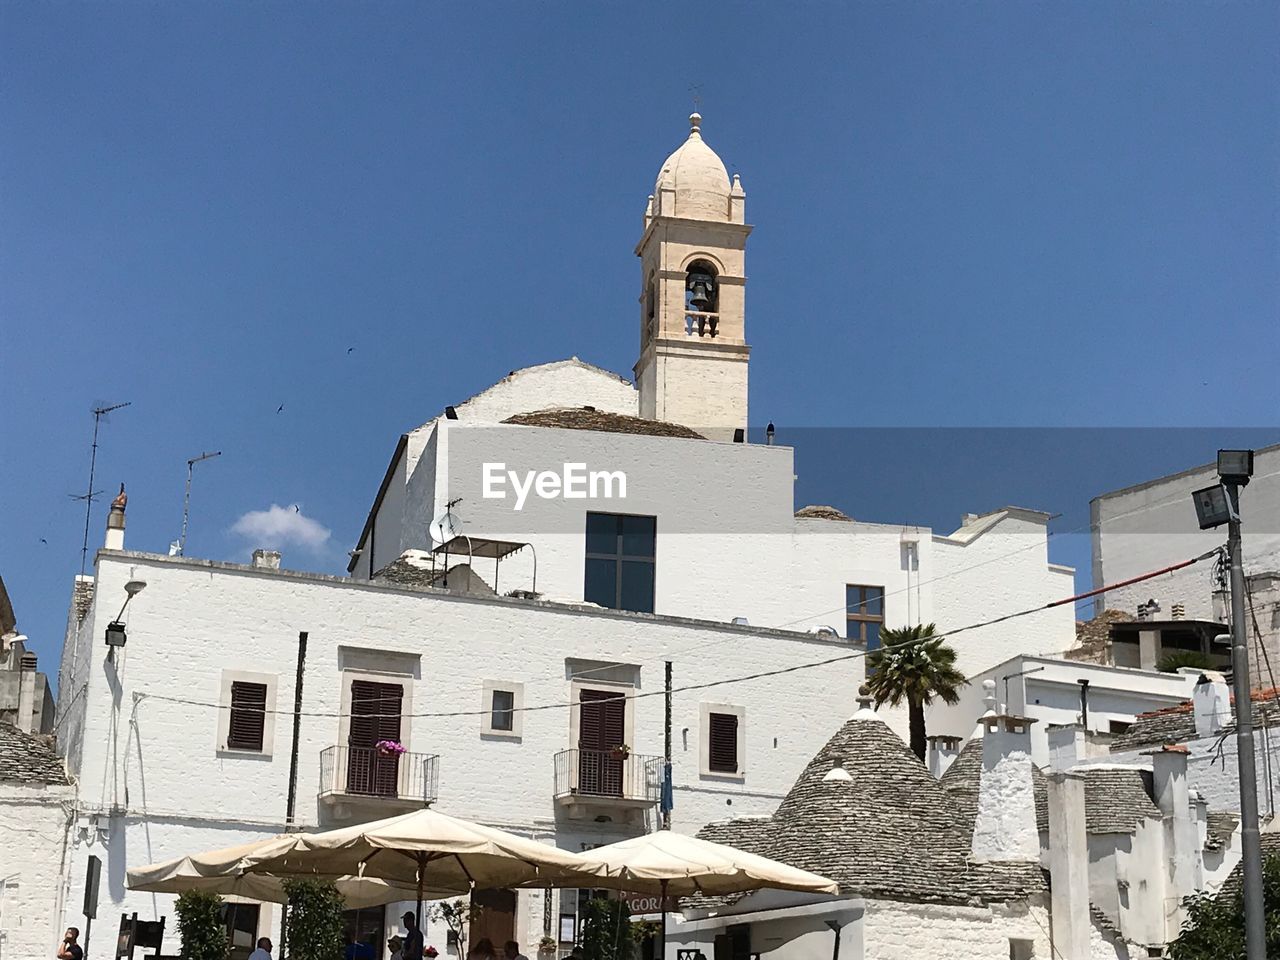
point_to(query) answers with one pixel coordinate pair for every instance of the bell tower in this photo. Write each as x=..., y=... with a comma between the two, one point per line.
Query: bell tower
x=692, y=368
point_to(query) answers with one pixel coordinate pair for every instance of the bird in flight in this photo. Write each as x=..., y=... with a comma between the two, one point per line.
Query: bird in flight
x=350, y=349
x=280, y=409
x=296, y=508
x=44, y=541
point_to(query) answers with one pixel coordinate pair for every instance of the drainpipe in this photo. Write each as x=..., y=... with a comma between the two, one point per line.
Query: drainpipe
x=292, y=799
x=1084, y=703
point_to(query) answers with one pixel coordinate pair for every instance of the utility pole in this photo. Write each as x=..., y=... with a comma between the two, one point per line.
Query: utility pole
x=186, y=498
x=1254, y=915
x=668, y=788
x=1215, y=506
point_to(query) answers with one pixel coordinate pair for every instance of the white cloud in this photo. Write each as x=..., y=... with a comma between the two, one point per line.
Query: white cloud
x=279, y=526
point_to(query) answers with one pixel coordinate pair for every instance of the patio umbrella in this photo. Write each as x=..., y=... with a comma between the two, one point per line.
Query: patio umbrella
x=428, y=850
x=679, y=865
x=224, y=871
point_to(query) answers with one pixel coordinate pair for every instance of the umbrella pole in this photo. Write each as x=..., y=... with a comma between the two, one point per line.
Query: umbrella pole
x=417, y=917
x=662, y=940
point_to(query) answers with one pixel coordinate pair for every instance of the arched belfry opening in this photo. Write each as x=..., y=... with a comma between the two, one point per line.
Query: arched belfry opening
x=701, y=299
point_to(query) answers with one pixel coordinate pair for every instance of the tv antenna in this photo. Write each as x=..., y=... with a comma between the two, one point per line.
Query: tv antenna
x=99, y=414
x=186, y=497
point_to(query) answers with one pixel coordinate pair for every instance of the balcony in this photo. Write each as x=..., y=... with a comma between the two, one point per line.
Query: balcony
x=601, y=783
x=365, y=782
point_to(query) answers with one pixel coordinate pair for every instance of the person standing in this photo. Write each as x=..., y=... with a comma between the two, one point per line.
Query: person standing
x=264, y=950
x=512, y=951
x=413, y=944
x=69, y=949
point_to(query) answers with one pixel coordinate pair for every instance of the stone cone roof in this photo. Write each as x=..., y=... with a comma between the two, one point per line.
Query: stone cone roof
x=589, y=418
x=27, y=758
x=890, y=831
x=963, y=780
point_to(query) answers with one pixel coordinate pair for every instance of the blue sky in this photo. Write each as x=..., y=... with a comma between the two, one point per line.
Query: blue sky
x=967, y=215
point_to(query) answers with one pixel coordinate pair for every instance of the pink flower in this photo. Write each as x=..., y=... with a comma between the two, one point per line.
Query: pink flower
x=431, y=952
x=387, y=747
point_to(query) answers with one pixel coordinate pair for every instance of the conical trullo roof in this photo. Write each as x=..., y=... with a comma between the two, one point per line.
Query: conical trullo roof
x=880, y=826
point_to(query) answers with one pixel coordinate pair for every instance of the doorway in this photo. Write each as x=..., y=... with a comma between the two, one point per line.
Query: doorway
x=365, y=929
x=493, y=917
x=375, y=716
x=601, y=723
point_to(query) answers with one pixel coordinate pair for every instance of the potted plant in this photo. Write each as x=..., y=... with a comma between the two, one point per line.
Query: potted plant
x=620, y=752
x=389, y=748
x=547, y=947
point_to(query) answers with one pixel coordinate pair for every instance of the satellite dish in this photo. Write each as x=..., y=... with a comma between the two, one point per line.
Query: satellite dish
x=444, y=527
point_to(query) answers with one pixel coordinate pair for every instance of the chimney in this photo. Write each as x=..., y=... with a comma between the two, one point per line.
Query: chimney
x=1181, y=851
x=942, y=751
x=115, y=522
x=1005, y=828
x=1068, y=866
x=1068, y=745
x=27, y=693
x=266, y=559
x=1211, y=704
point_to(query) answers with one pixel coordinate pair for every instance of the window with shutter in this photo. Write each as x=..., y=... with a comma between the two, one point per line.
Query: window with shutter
x=248, y=716
x=602, y=716
x=722, y=746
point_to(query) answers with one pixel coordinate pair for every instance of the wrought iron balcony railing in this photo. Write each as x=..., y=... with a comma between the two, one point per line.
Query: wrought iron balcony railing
x=370, y=772
x=608, y=774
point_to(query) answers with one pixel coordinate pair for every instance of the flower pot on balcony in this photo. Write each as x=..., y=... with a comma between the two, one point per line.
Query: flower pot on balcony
x=620, y=752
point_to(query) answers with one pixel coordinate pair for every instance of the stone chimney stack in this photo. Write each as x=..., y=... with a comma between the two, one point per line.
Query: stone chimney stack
x=1005, y=829
x=942, y=752
x=115, y=522
x=27, y=693
x=266, y=559
x=1182, y=851
x=1069, y=866
x=1067, y=745
x=1211, y=704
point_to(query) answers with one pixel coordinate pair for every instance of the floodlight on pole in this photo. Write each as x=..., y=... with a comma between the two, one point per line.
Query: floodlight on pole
x=186, y=498
x=1214, y=506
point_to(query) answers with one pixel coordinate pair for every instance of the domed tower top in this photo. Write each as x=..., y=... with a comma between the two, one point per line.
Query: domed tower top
x=693, y=183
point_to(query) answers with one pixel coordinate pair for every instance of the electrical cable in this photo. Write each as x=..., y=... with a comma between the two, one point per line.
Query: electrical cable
x=779, y=671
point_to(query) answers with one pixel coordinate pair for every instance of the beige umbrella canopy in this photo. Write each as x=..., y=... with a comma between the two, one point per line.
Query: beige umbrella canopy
x=679, y=865
x=426, y=851
x=675, y=864
x=223, y=871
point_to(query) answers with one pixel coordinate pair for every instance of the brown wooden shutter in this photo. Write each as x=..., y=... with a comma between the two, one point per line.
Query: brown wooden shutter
x=723, y=737
x=375, y=716
x=248, y=715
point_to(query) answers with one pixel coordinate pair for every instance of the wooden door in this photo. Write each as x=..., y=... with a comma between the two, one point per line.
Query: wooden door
x=493, y=918
x=375, y=716
x=601, y=722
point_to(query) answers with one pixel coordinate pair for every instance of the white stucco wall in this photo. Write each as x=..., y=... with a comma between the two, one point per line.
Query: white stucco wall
x=33, y=833
x=1152, y=525
x=1051, y=695
x=900, y=931
x=158, y=761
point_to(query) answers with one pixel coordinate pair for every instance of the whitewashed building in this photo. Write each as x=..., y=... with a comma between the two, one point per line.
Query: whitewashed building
x=1153, y=524
x=246, y=698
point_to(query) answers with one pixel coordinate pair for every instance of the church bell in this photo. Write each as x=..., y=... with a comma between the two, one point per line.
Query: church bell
x=702, y=291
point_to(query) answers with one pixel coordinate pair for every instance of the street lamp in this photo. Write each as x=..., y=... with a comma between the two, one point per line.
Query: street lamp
x=116, y=635
x=1215, y=506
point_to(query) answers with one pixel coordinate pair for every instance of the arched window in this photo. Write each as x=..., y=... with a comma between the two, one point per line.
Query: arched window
x=701, y=299
x=650, y=308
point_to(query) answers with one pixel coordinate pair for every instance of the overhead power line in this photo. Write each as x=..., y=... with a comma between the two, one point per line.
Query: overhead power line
x=708, y=684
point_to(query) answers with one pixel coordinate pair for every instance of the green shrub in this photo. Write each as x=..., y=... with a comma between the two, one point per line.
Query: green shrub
x=200, y=925
x=315, y=921
x=606, y=930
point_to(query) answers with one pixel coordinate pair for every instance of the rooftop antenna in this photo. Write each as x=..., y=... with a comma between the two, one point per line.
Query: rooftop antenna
x=186, y=498
x=99, y=414
x=695, y=94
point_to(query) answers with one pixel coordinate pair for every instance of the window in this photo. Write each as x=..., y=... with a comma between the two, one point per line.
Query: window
x=248, y=716
x=246, y=722
x=722, y=749
x=501, y=701
x=620, y=561
x=723, y=740
x=502, y=706
x=864, y=613
x=1117, y=726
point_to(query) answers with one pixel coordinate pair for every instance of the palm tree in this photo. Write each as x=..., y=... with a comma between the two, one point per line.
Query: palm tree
x=912, y=665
